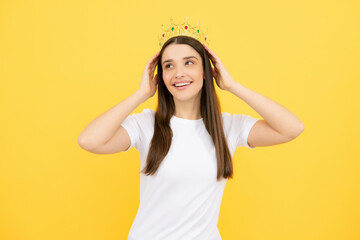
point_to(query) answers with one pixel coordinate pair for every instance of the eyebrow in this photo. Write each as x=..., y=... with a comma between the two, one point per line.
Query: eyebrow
x=169, y=60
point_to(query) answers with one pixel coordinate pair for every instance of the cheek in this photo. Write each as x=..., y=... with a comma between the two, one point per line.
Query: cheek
x=198, y=71
x=166, y=76
x=167, y=81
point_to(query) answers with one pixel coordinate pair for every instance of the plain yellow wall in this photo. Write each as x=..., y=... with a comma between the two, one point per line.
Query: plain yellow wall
x=63, y=63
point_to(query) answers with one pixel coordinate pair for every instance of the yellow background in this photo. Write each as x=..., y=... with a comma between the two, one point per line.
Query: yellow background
x=63, y=63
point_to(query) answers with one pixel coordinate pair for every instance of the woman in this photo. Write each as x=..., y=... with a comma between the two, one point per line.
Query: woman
x=186, y=146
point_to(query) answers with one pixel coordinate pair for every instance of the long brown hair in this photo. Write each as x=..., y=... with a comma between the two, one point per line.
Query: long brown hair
x=209, y=108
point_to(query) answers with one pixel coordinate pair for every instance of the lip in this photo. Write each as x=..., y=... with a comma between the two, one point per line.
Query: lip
x=183, y=87
x=177, y=82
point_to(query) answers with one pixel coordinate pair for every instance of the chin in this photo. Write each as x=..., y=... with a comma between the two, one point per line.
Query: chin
x=186, y=97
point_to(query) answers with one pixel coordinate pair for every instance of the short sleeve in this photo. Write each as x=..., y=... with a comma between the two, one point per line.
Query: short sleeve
x=238, y=127
x=136, y=126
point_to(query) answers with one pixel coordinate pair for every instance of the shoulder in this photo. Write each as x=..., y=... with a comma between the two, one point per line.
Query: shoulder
x=143, y=117
x=238, y=120
x=148, y=111
x=225, y=115
x=146, y=115
x=226, y=118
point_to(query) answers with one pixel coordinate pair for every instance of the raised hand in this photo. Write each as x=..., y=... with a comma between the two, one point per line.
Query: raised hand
x=222, y=77
x=148, y=82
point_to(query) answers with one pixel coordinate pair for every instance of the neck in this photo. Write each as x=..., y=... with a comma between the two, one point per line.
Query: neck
x=187, y=110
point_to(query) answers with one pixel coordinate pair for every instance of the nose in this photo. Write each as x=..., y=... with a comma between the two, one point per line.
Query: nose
x=179, y=72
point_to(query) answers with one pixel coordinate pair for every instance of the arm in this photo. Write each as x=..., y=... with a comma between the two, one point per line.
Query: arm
x=104, y=127
x=275, y=115
x=280, y=125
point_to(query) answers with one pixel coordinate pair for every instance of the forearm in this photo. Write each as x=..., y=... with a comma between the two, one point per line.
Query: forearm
x=277, y=116
x=103, y=128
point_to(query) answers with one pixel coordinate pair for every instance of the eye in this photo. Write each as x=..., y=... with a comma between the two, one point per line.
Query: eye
x=167, y=66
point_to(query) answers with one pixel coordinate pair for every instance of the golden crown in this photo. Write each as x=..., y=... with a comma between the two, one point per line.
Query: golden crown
x=182, y=29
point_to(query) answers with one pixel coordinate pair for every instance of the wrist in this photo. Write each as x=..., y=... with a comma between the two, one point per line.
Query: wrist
x=232, y=86
x=141, y=95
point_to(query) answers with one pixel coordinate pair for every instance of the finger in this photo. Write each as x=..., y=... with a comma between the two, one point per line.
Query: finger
x=153, y=63
x=156, y=79
x=212, y=53
x=153, y=58
x=212, y=58
x=214, y=72
x=157, y=54
x=205, y=46
x=152, y=68
x=208, y=49
x=156, y=58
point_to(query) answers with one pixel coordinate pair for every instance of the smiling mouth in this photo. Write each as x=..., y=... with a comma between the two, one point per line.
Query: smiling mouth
x=182, y=84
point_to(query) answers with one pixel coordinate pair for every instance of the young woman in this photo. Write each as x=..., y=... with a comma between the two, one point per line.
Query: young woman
x=186, y=146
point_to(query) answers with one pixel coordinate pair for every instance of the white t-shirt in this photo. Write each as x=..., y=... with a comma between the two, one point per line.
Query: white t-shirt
x=182, y=200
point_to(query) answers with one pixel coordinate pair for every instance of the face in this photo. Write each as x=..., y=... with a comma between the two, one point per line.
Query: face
x=182, y=64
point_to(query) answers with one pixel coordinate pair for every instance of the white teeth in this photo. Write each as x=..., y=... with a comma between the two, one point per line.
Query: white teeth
x=181, y=84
